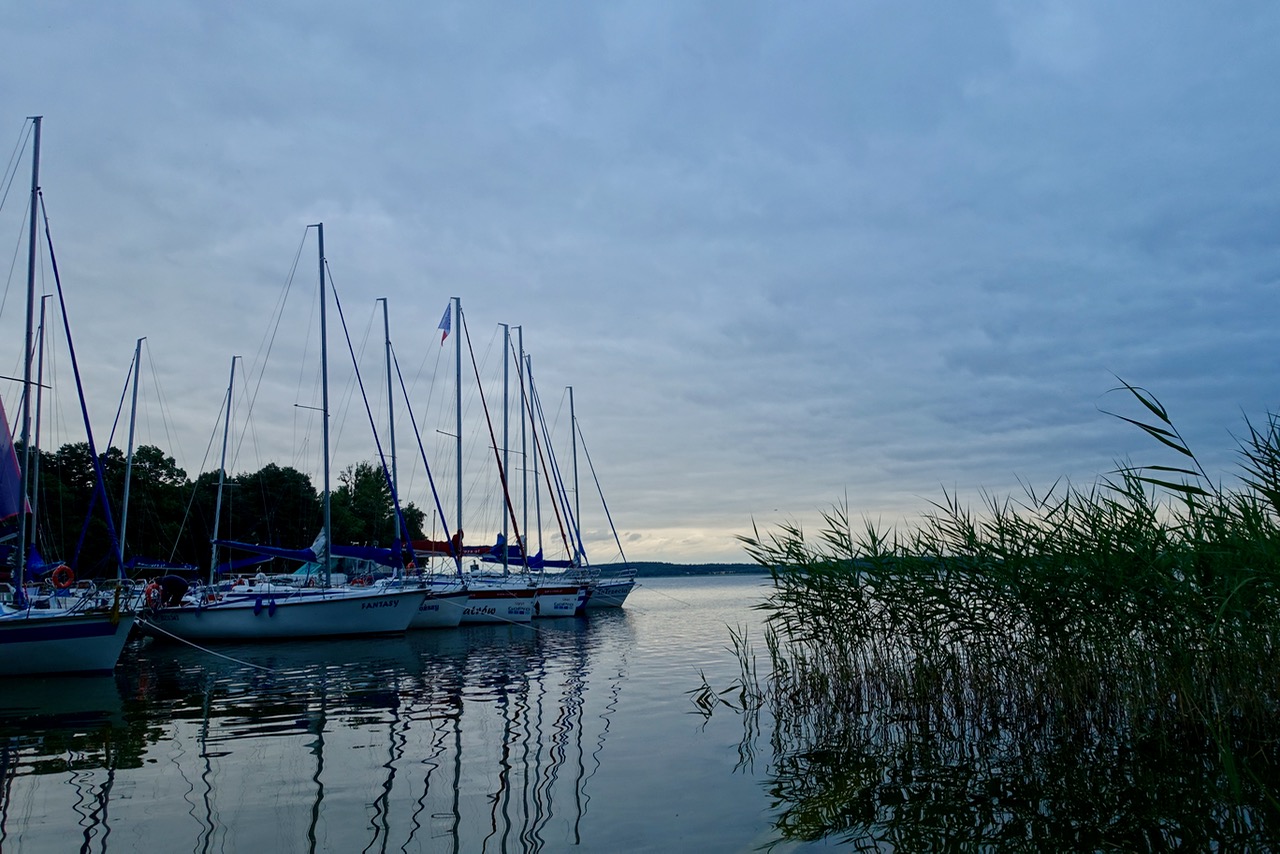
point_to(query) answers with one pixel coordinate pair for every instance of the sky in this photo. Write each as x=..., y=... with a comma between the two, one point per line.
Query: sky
x=788, y=256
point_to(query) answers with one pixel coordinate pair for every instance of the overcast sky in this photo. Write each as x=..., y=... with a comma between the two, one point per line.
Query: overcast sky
x=785, y=253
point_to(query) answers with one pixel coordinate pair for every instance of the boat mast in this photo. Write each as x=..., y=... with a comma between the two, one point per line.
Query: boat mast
x=222, y=476
x=128, y=466
x=400, y=535
x=524, y=450
x=537, y=492
x=324, y=403
x=457, y=390
x=506, y=422
x=28, y=529
x=35, y=438
x=577, y=494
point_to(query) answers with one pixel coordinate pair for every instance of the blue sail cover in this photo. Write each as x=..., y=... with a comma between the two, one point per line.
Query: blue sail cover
x=303, y=555
x=12, y=501
x=515, y=556
x=385, y=557
x=243, y=563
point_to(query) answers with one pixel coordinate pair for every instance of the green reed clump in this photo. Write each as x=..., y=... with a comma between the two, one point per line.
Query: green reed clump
x=1085, y=667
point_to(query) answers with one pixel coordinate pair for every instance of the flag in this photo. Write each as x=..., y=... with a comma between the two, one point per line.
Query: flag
x=445, y=323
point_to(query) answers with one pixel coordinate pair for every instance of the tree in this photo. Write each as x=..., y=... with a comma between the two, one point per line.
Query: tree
x=361, y=506
x=273, y=506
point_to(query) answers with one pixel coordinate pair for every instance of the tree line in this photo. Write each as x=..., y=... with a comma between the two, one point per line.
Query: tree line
x=170, y=517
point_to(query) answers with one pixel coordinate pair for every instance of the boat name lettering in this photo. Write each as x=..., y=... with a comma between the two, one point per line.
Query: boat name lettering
x=385, y=603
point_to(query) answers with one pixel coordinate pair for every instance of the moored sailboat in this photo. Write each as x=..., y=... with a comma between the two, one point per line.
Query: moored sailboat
x=65, y=629
x=293, y=612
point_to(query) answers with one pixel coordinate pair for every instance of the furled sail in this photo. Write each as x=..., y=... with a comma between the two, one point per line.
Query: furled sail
x=12, y=501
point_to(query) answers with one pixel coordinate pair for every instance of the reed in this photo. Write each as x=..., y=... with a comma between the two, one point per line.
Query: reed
x=1085, y=667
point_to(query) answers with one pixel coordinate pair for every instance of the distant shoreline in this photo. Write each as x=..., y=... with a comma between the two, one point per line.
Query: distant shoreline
x=657, y=569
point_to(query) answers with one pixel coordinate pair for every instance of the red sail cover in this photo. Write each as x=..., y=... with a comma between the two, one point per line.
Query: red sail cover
x=11, y=499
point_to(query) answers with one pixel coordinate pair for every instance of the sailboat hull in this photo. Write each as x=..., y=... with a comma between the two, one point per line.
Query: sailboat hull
x=609, y=594
x=559, y=600
x=441, y=610
x=33, y=644
x=339, y=614
x=495, y=604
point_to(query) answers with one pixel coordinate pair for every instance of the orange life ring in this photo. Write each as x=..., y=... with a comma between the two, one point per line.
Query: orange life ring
x=151, y=596
x=63, y=577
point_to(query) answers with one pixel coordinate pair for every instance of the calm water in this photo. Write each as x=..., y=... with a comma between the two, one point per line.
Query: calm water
x=573, y=734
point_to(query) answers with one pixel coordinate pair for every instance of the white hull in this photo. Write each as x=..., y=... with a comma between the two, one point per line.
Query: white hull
x=33, y=643
x=556, y=600
x=609, y=594
x=338, y=613
x=491, y=603
x=441, y=610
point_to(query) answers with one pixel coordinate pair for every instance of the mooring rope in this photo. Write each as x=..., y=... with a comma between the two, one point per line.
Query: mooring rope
x=154, y=627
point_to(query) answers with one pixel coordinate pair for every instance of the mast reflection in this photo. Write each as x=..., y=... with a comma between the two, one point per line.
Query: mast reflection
x=480, y=738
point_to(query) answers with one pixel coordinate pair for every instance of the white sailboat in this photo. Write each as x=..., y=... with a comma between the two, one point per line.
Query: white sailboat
x=492, y=600
x=65, y=629
x=447, y=596
x=276, y=612
x=603, y=589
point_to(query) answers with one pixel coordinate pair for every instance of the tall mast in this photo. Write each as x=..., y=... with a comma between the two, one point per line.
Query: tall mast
x=537, y=493
x=506, y=464
x=128, y=466
x=577, y=494
x=222, y=475
x=35, y=438
x=25, y=530
x=325, y=562
x=524, y=450
x=401, y=536
x=457, y=390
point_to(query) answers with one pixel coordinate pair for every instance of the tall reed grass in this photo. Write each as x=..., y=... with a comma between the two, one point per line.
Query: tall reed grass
x=1084, y=669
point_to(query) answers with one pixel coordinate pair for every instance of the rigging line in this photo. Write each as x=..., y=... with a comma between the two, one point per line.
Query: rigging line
x=386, y=472
x=15, y=157
x=101, y=488
x=267, y=345
x=124, y=393
x=418, y=436
x=542, y=450
x=11, y=172
x=166, y=419
x=13, y=264
x=428, y=407
x=502, y=475
x=186, y=514
x=591, y=467
x=205, y=649
x=348, y=393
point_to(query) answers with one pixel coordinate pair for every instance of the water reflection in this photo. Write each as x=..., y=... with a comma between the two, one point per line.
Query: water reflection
x=480, y=738
x=1016, y=768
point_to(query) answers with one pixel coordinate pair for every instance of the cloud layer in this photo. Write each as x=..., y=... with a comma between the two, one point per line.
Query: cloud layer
x=783, y=254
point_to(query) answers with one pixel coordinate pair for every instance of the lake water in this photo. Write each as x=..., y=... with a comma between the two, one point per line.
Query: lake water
x=577, y=733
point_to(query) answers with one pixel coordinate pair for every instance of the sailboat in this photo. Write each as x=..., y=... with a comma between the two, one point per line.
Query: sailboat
x=69, y=630
x=554, y=596
x=605, y=590
x=447, y=596
x=490, y=600
x=600, y=589
x=275, y=612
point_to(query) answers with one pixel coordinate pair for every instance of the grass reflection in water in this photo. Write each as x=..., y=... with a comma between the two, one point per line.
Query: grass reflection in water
x=1083, y=670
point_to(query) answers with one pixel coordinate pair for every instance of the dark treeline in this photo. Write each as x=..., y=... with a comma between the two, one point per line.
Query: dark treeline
x=170, y=517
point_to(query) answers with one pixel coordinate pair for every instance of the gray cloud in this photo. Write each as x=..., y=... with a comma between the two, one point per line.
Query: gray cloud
x=783, y=255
